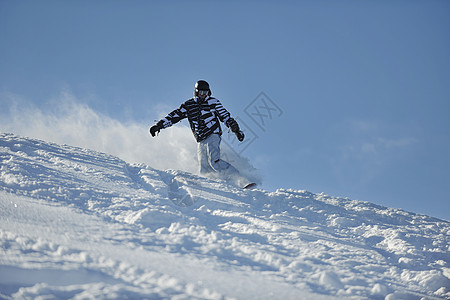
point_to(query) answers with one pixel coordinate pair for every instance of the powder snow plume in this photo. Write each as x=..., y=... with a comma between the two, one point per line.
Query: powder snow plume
x=69, y=121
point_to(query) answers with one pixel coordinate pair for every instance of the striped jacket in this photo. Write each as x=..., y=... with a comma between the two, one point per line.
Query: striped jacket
x=203, y=117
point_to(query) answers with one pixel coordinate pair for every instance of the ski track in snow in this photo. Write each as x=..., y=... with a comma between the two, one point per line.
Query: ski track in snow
x=76, y=223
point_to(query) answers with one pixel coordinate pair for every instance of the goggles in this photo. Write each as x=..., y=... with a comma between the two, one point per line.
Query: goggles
x=202, y=92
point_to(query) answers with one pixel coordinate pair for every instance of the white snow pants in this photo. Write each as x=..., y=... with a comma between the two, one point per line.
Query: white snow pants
x=210, y=163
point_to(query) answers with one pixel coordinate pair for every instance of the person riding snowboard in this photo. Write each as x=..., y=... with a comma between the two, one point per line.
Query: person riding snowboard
x=203, y=113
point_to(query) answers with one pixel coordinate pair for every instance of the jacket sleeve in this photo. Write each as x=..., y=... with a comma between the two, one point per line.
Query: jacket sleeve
x=174, y=117
x=225, y=117
x=221, y=112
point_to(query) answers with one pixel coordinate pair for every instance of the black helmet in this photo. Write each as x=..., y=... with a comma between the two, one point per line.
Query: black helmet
x=201, y=85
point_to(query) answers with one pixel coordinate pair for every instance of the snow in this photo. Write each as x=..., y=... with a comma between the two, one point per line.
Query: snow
x=80, y=224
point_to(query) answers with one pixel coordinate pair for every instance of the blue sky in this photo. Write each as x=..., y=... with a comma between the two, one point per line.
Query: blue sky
x=362, y=87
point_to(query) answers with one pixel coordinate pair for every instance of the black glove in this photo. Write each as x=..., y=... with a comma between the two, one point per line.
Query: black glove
x=233, y=125
x=235, y=128
x=240, y=135
x=156, y=128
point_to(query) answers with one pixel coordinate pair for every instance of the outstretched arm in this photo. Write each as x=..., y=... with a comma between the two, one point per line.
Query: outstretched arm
x=172, y=118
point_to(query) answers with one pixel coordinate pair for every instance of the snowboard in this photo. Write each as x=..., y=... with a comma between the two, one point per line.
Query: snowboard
x=250, y=186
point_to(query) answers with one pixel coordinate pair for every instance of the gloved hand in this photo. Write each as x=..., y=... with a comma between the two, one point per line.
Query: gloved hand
x=155, y=129
x=235, y=128
x=233, y=125
x=240, y=135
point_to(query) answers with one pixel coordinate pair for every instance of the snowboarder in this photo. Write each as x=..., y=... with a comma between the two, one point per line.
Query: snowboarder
x=203, y=113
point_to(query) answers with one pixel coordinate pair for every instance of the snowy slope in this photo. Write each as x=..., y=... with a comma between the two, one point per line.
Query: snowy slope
x=75, y=223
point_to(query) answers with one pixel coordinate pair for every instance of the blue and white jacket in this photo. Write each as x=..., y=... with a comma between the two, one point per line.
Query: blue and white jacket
x=203, y=116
